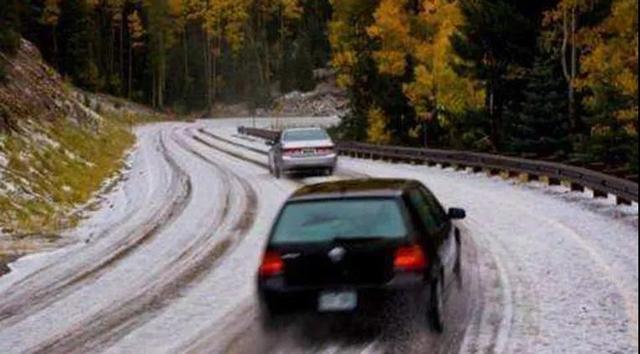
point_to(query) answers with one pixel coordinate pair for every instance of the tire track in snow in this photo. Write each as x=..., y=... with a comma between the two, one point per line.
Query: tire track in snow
x=111, y=323
x=236, y=341
x=28, y=296
x=534, y=304
x=503, y=340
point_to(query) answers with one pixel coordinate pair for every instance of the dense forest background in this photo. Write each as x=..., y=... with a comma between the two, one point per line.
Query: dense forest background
x=553, y=79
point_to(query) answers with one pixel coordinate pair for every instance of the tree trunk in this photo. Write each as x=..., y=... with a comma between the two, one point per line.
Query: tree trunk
x=54, y=36
x=495, y=136
x=280, y=68
x=185, y=48
x=569, y=70
x=154, y=102
x=214, y=74
x=572, y=98
x=207, y=67
x=161, y=74
x=112, y=51
x=121, y=73
x=129, y=74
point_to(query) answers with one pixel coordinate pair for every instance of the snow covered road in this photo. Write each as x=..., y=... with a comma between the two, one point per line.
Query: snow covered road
x=168, y=263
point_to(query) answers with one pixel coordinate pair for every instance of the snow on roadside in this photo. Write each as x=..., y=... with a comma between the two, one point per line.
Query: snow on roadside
x=551, y=246
x=571, y=272
x=561, y=273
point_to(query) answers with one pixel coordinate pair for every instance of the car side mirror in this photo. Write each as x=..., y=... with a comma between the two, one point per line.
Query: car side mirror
x=270, y=142
x=457, y=213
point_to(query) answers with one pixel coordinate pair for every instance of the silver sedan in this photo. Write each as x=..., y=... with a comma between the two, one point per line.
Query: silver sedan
x=302, y=150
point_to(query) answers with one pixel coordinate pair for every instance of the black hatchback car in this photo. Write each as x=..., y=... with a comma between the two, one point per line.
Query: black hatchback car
x=341, y=246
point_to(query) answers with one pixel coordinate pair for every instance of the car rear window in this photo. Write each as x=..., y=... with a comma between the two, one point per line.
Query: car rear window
x=325, y=220
x=303, y=135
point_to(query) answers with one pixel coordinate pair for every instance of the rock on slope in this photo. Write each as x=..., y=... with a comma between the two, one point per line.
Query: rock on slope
x=54, y=151
x=34, y=91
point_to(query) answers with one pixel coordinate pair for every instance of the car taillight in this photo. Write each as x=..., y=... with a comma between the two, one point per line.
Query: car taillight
x=325, y=150
x=409, y=259
x=289, y=152
x=272, y=264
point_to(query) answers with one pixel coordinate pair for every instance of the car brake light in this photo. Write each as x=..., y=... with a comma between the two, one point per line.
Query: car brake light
x=291, y=151
x=410, y=258
x=272, y=264
x=324, y=150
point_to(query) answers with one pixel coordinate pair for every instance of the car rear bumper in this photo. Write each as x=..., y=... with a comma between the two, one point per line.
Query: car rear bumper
x=369, y=296
x=308, y=162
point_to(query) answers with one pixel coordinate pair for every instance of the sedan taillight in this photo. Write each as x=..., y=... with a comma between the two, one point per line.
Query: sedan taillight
x=290, y=152
x=271, y=265
x=324, y=150
x=410, y=259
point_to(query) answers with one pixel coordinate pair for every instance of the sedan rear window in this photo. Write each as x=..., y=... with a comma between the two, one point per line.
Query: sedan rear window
x=326, y=220
x=303, y=135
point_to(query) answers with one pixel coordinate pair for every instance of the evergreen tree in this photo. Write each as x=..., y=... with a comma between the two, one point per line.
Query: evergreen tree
x=76, y=30
x=496, y=41
x=611, y=141
x=9, y=37
x=542, y=127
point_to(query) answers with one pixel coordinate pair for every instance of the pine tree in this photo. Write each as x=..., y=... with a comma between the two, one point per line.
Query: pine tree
x=76, y=37
x=496, y=43
x=542, y=127
x=9, y=37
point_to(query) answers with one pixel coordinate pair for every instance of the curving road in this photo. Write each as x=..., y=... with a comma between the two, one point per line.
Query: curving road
x=167, y=263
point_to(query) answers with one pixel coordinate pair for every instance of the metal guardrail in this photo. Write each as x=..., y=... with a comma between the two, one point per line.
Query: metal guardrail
x=260, y=133
x=578, y=177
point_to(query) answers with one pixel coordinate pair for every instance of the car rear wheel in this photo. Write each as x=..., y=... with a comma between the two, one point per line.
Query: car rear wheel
x=277, y=172
x=458, y=266
x=268, y=311
x=436, y=311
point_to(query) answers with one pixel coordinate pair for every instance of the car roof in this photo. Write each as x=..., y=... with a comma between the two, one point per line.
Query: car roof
x=354, y=188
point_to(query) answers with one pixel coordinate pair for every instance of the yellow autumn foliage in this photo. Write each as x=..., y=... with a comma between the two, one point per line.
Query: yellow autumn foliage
x=612, y=59
x=377, y=132
x=436, y=86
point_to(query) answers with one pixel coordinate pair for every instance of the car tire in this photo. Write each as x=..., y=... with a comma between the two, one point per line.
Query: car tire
x=457, y=268
x=277, y=172
x=268, y=312
x=436, y=306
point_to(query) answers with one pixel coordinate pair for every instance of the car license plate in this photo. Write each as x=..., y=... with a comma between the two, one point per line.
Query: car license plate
x=333, y=301
x=308, y=152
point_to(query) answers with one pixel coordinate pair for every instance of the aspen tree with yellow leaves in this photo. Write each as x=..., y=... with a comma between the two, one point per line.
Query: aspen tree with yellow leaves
x=488, y=75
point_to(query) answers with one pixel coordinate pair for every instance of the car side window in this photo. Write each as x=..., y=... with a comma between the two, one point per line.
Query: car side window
x=435, y=207
x=421, y=206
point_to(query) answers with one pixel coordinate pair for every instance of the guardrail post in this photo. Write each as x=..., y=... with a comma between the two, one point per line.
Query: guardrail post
x=491, y=171
x=575, y=187
x=550, y=181
x=622, y=201
x=600, y=194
